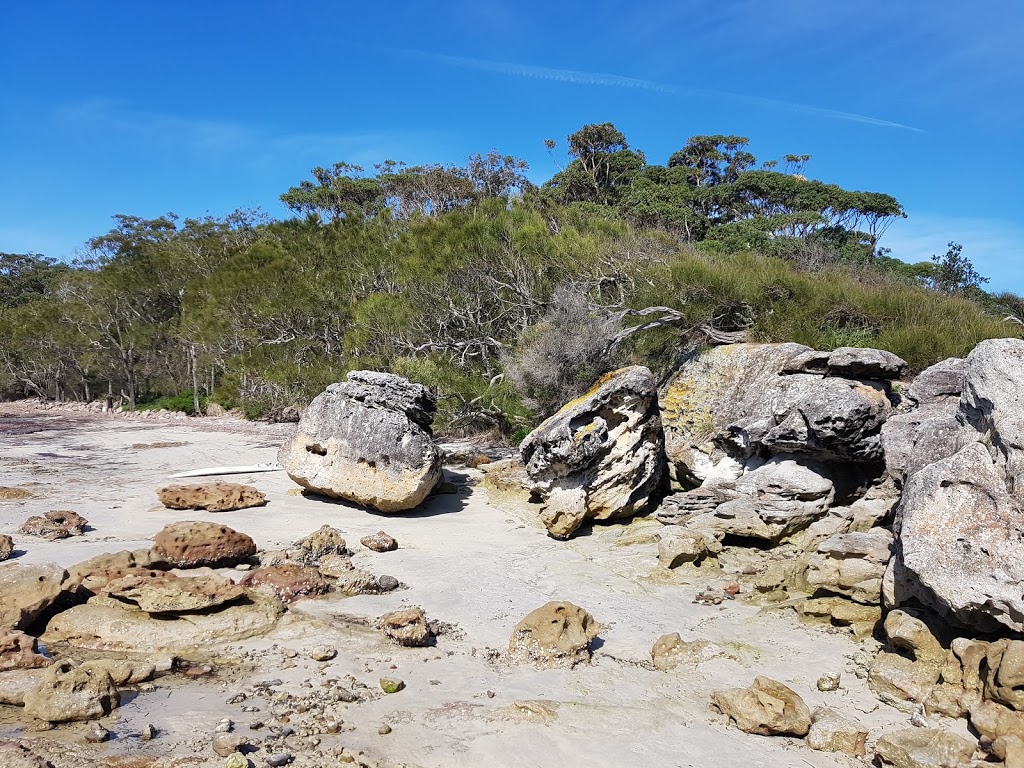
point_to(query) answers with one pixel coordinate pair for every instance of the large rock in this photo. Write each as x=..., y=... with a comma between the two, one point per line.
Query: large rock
x=865, y=363
x=407, y=627
x=940, y=382
x=213, y=497
x=767, y=707
x=726, y=403
x=367, y=440
x=106, y=624
x=68, y=693
x=601, y=456
x=26, y=591
x=831, y=732
x=20, y=651
x=287, y=581
x=55, y=524
x=159, y=592
x=852, y=564
x=193, y=544
x=923, y=748
x=960, y=551
x=93, y=574
x=558, y=634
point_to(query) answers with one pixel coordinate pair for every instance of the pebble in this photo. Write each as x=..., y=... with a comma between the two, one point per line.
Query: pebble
x=97, y=734
x=384, y=730
x=391, y=685
x=829, y=682
x=236, y=760
x=279, y=759
x=323, y=653
x=149, y=732
x=387, y=583
x=243, y=567
x=490, y=694
x=289, y=653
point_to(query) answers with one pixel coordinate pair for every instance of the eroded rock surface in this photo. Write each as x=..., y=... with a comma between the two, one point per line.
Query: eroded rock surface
x=924, y=748
x=159, y=592
x=213, y=497
x=407, y=627
x=558, y=634
x=601, y=456
x=66, y=693
x=288, y=581
x=367, y=440
x=852, y=564
x=767, y=707
x=26, y=591
x=193, y=544
x=55, y=524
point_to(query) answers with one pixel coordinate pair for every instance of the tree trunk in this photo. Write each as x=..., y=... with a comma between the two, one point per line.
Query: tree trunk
x=195, y=379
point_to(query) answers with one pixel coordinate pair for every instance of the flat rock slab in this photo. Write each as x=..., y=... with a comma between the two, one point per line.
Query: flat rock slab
x=213, y=497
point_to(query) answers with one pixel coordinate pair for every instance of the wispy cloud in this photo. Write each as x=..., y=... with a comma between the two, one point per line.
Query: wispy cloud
x=579, y=77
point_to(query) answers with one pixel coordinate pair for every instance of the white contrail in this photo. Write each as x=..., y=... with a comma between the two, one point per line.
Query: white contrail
x=578, y=77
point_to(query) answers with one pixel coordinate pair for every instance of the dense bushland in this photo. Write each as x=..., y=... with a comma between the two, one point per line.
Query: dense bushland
x=504, y=297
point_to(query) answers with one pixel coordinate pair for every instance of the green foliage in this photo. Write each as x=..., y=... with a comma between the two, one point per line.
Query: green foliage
x=182, y=402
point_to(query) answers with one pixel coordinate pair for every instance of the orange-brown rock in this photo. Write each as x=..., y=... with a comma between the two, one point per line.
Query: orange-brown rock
x=160, y=592
x=288, y=581
x=192, y=544
x=558, y=634
x=55, y=524
x=213, y=497
x=20, y=651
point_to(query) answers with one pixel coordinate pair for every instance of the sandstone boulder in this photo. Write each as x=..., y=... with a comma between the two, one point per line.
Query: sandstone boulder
x=20, y=651
x=26, y=591
x=407, y=627
x=55, y=524
x=379, y=542
x=670, y=651
x=767, y=707
x=558, y=634
x=601, y=456
x=213, y=497
x=67, y=693
x=923, y=748
x=865, y=363
x=367, y=440
x=940, y=382
x=93, y=574
x=324, y=541
x=192, y=544
x=724, y=404
x=288, y=582
x=687, y=546
x=852, y=564
x=960, y=552
x=831, y=732
x=159, y=592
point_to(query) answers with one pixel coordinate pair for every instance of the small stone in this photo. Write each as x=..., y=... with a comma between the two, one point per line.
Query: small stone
x=148, y=732
x=829, y=682
x=236, y=760
x=384, y=730
x=243, y=567
x=391, y=685
x=490, y=694
x=226, y=743
x=732, y=589
x=97, y=734
x=379, y=542
x=387, y=583
x=408, y=627
x=323, y=653
x=279, y=759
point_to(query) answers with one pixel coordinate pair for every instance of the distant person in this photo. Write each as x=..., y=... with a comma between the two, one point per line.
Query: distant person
x=110, y=404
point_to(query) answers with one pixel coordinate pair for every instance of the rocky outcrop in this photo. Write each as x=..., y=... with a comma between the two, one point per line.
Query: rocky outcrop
x=55, y=524
x=723, y=405
x=159, y=592
x=288, y=582
x=20, y=651
x=687, y=546
x=367, y=440
x=831, y=732
x=26, y=591
x=92, y=574
x=213, y=497
x=852, y=564
x=407, y=627
x=193, y=544
x=601, y=456
x=923, y=748
x=67, y=693
x=558, y=634
x=767, y=707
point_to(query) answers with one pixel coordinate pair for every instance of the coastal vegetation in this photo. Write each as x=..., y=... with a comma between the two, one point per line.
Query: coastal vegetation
x=504, y=297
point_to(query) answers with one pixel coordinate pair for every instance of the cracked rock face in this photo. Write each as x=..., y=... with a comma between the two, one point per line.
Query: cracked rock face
x=601, y=456
x=367, y=440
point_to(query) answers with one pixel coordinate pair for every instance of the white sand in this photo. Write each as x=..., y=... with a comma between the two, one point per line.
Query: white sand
x=466, y=562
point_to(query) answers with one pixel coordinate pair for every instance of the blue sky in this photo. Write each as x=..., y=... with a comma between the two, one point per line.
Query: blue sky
x=197, y=108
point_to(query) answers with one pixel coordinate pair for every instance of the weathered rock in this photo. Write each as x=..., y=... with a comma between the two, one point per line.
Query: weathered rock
x=160, y=592
x=20, y=651
x=865, y=363
x=670, y=651
x=66, y=693
x=356, y=582
x=680, y=507
x=213, y=497
x=852, y=564
x=122, y=672
x=558, y=634
x=324, y=541
x=6, y=547
x=333, y=566
x=922, y=436
x=105, y=624
x=407, y=627
x=940, y=382
x=391, y=685
x=860, y=619
x=379, y=542
x=14, y=755
x=601, y=456
x=26, y=591
x=93, y=574
x=959, y=551
x=681, y=546
x=323, y=653
x=226, y=743
x=288, y=582
x=923, y=748
x=992, y=721
x=911, y=669
x=724, y=404
x=367, y=440
x=831, y=732
x=55, y=524
x=191, y=544
x=767, y=707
